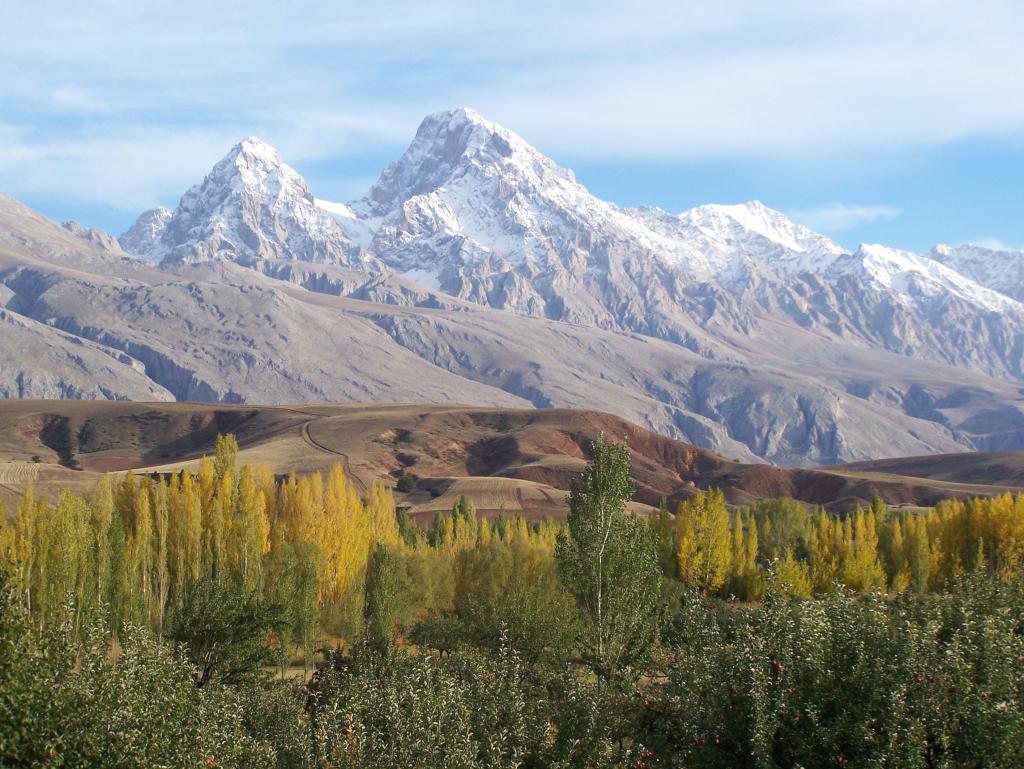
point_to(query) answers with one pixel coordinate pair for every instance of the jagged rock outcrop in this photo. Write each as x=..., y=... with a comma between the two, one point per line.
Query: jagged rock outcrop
x=143, y=237
x=95, y=236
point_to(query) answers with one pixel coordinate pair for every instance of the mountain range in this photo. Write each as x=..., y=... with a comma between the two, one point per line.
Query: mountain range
x=476, y=270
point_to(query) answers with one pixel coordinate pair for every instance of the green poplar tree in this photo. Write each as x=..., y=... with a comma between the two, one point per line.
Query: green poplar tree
x=101, y=506
x=609, y=562
x=383, y=593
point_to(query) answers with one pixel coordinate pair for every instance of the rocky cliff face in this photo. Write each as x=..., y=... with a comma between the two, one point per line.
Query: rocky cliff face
x=143, y=237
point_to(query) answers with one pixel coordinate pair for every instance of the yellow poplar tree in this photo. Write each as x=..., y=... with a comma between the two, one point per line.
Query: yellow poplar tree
x=192, y=532
x=346, y=534
x=217, y=524
x=792, y=576
x=917, y=551
x=6, y=535
x=824, y=547
x=861, y=569
x=24, y=516
x=485, y=535
x=896, y=558
x=176, y=547
x=140, y=549
x=380, y=509
x=161, y=544
x=746, y=577
x=101, y=508
x=703, y=546
x=250, y=531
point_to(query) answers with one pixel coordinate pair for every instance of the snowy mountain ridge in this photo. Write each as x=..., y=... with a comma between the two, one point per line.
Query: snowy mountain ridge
x=908, y=273
x=472, y=210
x=487, y=275
x=999, y=269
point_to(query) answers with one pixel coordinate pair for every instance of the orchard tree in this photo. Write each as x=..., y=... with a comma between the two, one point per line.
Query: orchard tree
x=225, y=631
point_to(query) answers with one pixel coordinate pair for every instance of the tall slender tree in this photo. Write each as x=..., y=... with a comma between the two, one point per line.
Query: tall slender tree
x=383, y=594
x=161, y=540
x=101, y=507
x=609, y=561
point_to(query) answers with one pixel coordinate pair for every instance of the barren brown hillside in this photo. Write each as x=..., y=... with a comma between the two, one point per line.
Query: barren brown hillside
x=521, y=459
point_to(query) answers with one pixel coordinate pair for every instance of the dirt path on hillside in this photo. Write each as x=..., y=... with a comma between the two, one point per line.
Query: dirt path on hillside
x=314, y=443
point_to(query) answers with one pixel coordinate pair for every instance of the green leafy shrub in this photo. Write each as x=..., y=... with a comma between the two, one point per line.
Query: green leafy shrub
x=64, y=703
x=859, y=681
x=390, y=711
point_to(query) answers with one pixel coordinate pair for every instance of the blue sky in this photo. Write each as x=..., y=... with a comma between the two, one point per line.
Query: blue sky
x=884, y=121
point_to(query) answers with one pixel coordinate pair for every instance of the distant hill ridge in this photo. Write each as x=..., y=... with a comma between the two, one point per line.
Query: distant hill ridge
x=521, y=460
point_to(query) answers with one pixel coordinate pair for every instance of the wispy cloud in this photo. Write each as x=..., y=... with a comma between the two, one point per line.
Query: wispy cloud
x=119, y=171
x=793, y=81
x=839, y=217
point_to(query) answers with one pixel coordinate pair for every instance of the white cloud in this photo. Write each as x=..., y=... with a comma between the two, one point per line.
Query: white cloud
x=786, y=79
x=128, y=173
x=839, y=217
x=74, y=99
x=799, y=81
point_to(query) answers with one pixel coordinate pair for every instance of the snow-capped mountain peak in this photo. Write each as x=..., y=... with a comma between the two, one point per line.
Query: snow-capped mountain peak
x=252, y=167
x=449, y=145
x=251, y=206
x=473, y=210
x=763, y=233
x=256, y=167
x=254, y=148
x=754, y=216
x=142, y=237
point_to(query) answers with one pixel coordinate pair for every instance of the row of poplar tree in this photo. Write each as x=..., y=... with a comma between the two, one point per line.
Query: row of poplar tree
x=732, y=554
x=133, y=548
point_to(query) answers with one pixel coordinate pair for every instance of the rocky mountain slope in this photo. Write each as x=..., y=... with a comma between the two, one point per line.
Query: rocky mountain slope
x=998, y=269
x=217, y=331
x=473, y=209
x=478, y=271
x=42, y=362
